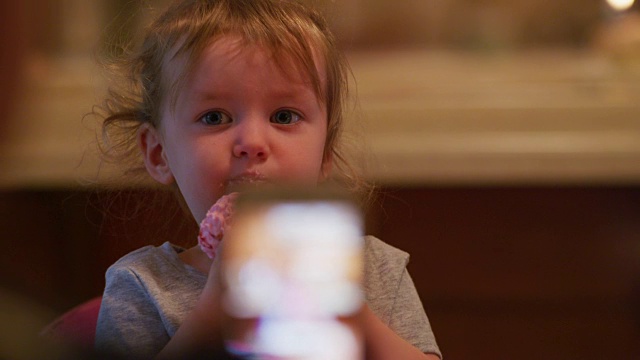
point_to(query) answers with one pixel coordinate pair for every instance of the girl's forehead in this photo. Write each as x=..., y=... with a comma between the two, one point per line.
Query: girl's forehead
x=181, y=66
x=229, y=49
x=233, y=48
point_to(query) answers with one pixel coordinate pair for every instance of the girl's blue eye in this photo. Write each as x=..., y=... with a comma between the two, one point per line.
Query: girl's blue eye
x=215, y=118
x=285, y=117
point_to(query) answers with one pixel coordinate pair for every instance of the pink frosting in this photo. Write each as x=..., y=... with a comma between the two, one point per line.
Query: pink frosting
x=213, y=226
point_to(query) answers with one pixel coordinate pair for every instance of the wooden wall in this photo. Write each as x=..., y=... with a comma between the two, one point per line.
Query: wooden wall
x=504, y=272
x=524, y=273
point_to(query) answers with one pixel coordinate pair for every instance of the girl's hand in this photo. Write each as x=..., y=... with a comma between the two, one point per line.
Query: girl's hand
x=201, y=331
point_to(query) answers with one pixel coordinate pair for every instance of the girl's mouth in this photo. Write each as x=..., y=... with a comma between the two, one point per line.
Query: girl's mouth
x=246, y=179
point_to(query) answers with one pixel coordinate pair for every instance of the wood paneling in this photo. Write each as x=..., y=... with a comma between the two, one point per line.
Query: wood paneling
x=523, y=273
x=59, y=244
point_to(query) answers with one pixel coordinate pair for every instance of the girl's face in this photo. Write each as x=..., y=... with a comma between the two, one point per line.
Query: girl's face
x=239, y=120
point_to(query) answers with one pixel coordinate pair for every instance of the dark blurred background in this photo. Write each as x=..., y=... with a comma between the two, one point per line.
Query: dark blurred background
x=504, y=136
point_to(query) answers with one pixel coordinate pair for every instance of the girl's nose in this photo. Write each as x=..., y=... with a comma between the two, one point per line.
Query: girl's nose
x=251, y=142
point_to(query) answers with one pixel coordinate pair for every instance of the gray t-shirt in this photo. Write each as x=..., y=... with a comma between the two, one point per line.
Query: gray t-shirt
x=150, y=291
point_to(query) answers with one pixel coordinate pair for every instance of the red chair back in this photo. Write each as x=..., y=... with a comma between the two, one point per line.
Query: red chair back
x=78, y=325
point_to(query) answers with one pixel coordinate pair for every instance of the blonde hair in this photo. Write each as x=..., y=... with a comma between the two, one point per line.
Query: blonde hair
x=186, y=29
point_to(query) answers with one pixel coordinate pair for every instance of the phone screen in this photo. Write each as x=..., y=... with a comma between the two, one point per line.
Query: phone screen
x=292, y=271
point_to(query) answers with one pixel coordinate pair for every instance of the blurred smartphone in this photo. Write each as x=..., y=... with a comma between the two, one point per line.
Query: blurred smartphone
x=291, y=275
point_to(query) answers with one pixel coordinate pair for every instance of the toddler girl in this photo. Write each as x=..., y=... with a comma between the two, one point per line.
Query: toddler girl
x=226, y=93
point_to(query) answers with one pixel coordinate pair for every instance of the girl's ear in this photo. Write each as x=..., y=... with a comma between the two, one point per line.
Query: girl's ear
x=153, y=153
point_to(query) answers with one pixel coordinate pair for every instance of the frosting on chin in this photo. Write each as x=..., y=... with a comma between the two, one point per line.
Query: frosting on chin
x=214, y=224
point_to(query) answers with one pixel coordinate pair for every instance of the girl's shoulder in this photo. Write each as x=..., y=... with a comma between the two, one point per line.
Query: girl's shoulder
x=147, y=253
x=384, y=268
x=151, y=260
x=377, y=252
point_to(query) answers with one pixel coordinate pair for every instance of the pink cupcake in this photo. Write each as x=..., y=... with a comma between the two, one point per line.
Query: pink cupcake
x=213, y=226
